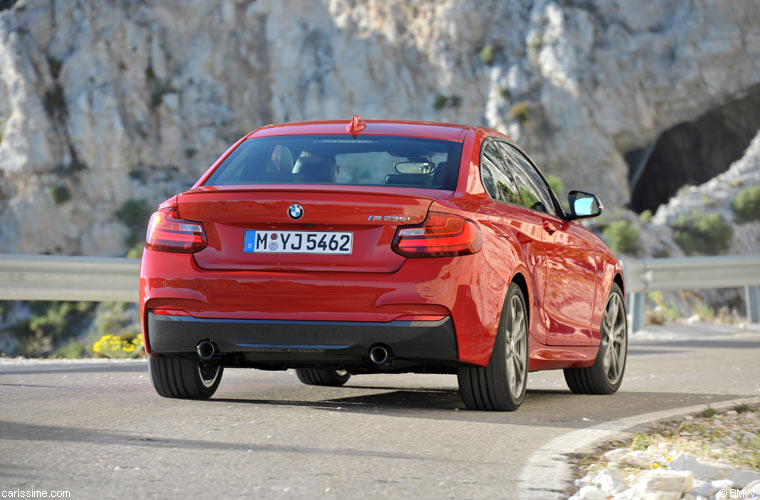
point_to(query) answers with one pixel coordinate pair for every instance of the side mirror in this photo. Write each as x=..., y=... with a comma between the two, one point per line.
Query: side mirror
x=584, y=205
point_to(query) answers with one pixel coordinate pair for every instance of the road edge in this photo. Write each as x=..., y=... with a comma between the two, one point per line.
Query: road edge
x=547, y=474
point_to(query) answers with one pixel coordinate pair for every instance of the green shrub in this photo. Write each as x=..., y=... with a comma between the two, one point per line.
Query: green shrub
x=622, y=237
x=646, y=216
x=520, y=111
x=440, y=102
x=504, y=92
x=54, y=102
x=746, y=204
x=59, y=194
x=559, y=189
x=663, y=312
x=707, y=234
x=55, y=66
x=487, y=54
x=136, y=250
x=134, y=213
x=556, y=184
x=150, y=76
x=73, y=349
x=50, y=324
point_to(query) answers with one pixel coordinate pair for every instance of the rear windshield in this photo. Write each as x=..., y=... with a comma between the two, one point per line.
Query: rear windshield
x=338, y=159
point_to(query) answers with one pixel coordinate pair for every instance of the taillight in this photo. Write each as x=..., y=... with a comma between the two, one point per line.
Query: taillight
x=169, y=233
x=441, y=235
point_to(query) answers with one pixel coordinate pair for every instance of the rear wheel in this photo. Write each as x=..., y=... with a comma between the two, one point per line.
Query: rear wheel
x=320, y=376
x=501, y=385
x=175, y=377
x=606, y=374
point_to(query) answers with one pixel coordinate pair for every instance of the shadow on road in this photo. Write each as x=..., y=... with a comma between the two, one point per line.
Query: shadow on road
x=35, y=432
x=549, y=408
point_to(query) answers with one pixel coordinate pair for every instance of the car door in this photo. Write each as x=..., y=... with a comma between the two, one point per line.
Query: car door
x=516, y=224
x=570, y=272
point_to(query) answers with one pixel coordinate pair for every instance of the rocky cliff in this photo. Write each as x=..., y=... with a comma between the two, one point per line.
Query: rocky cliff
x=105, y=103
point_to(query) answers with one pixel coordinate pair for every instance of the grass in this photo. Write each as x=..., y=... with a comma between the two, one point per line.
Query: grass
x=708, y=412
x=703, y=436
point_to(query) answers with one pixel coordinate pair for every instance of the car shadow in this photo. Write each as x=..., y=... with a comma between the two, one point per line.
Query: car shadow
x=542, y=407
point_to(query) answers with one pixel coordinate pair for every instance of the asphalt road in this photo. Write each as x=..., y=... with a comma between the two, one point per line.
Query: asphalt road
x=99, y=430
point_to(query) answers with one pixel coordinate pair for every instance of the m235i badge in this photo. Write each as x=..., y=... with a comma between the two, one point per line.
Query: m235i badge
x=389, y=218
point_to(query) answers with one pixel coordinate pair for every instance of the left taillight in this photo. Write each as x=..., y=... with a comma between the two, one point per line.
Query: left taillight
x=441, y=235
x=168, y=233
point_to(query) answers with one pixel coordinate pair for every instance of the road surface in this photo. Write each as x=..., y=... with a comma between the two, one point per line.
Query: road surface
x=98, y=430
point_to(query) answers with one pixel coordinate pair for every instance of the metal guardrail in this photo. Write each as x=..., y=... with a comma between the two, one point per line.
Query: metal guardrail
x=691, y=273
x=53, y=277
x=98, y=279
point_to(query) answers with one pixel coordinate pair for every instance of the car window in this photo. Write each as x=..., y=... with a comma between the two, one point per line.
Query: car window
x=495, y=176
x=534, y=191
x=338, y=159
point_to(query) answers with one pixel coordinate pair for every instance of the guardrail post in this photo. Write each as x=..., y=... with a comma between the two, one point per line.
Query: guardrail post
x=637, y=310
x=752, y=297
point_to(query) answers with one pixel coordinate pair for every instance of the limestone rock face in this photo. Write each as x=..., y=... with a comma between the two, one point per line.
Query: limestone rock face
x=105, y=102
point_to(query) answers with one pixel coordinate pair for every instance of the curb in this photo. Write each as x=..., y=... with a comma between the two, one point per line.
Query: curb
x=548, y=472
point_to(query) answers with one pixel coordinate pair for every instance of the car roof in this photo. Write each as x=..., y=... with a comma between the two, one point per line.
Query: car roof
x=429, y=130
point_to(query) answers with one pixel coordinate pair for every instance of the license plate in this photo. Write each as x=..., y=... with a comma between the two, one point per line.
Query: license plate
x=321, y=242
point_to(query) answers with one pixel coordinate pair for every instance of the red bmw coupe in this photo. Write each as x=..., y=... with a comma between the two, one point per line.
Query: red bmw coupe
x=339, y=249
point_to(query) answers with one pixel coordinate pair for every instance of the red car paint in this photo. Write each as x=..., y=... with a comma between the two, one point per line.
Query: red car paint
x=566, y=271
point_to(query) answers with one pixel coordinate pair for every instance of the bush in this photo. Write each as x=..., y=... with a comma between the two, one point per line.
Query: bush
x=520, y=111
x=59, y=194
x=440, y=102
x=746, y=204
x=646, y=216
x=134, y=213
x=487, y=54
x=50, y=324
x=707, y=234
x=559, y=189
x=622, y=237
x=74, y=349
x=663, y=312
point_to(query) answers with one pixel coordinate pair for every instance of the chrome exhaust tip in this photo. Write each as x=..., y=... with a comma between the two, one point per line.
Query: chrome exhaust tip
x=206, y=349
x=379, y=354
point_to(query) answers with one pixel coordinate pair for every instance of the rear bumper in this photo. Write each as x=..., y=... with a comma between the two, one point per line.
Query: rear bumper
x=282, y=341
x=359, y=305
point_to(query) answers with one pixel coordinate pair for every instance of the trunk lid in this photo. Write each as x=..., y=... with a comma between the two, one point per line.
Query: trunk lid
x=371, y=214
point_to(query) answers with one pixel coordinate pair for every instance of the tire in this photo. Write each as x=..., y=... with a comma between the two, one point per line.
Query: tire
x=183, y=378
x=606, y=374
x=502, y=384
x=319, y=376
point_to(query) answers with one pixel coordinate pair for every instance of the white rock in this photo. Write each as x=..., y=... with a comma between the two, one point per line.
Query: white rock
x=661, y=484
x=750, y=489
x=610, y=480
x=711, y=471
x=589, y=493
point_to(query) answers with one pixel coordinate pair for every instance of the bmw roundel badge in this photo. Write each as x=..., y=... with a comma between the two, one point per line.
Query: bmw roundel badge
x=295, y=211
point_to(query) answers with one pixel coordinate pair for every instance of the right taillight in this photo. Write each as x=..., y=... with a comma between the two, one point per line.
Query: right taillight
x=168, y=233
x=441, y=235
